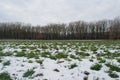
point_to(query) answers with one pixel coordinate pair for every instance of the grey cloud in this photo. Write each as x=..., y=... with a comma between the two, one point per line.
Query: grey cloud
x=52, y=11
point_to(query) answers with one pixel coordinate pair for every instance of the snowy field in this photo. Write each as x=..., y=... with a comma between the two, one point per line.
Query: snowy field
x=59, y=60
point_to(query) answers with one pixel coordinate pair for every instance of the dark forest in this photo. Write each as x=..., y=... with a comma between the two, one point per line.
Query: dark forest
x=79, y=30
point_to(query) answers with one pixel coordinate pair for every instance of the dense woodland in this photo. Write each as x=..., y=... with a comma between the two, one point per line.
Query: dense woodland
x=79, y=30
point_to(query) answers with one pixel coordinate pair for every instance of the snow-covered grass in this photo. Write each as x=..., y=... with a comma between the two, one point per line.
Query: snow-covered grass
x=59, y=60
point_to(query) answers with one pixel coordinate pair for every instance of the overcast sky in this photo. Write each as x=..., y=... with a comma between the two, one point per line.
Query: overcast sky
x=57, y=11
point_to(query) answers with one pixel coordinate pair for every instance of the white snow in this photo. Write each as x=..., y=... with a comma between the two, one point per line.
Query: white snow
x=19, y=65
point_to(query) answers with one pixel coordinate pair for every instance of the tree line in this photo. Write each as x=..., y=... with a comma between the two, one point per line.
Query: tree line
x=79, y=30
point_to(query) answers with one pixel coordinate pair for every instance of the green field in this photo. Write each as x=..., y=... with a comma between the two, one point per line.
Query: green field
x=57, y=59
